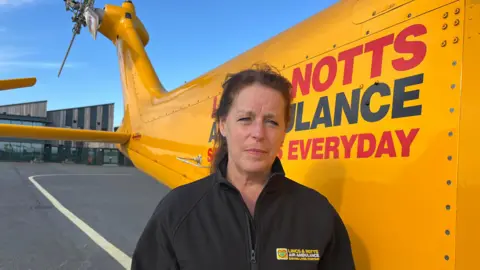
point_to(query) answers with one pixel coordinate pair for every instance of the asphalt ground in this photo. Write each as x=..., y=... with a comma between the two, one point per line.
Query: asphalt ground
x=112, y=208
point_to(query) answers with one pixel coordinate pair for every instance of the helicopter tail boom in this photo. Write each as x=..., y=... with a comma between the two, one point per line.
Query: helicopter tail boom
x=53, y=133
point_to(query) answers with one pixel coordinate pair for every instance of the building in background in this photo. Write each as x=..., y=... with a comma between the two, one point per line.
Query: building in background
x=96, y=117
x=29, y=114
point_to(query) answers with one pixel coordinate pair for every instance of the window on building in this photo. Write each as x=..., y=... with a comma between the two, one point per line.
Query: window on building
x=37, y=150
x=27, y=151
x=3, y=150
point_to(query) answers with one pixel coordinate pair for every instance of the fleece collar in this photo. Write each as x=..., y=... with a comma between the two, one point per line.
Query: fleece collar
x=275, y=180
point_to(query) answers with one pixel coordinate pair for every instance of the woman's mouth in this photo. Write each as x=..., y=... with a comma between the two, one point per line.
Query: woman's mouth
x=256, y=151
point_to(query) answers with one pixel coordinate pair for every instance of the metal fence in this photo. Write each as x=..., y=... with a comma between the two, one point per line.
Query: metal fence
x=37, y=152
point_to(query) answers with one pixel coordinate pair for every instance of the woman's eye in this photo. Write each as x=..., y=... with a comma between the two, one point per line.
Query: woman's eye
x=245, y=119
x=273, y=122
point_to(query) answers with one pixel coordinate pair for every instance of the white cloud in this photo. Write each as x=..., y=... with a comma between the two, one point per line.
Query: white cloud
x=17, y=58
x=15, y=2
x=11, y=53
x=8, y=5
x=35, y=64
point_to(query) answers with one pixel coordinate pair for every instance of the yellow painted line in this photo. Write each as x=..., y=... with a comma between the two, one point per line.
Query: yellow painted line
x=116, y=253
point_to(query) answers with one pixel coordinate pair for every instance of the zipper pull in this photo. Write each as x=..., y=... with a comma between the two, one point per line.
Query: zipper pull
x=252, y=256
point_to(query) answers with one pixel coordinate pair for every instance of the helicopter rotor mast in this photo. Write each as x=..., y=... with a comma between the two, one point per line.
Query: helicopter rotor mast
x=83, y=15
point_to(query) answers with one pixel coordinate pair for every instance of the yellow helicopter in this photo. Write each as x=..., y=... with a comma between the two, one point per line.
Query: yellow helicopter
x=384, y=124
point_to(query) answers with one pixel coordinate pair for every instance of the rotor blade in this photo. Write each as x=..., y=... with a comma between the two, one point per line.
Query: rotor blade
x=17, y=83
x=66, y=55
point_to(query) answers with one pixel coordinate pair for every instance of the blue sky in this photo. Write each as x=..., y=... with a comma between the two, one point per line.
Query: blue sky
x=187, y=38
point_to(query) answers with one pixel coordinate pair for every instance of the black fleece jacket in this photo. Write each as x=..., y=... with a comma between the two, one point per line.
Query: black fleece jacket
x=205, y=225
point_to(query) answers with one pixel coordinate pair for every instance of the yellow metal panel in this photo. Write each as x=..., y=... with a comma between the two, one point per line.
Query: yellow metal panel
x=468, y=181
x=397, y=208
x=365, y=10
x=157, y=170
x=401, y=11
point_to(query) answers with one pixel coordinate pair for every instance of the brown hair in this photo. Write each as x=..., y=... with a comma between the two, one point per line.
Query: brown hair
x=259, y=73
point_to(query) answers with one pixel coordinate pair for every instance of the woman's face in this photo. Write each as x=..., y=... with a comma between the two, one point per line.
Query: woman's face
x=255, y=128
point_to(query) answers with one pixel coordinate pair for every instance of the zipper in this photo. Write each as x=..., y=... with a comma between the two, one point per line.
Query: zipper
x=252, y=248
x=254, y=255
x=250, y=221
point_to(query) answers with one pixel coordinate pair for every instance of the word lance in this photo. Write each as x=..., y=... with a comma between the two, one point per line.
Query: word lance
x=328, y=114
x=306, y=77
x=389, y=102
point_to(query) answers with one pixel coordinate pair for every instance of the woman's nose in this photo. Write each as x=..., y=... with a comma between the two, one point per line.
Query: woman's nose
x=258, y=130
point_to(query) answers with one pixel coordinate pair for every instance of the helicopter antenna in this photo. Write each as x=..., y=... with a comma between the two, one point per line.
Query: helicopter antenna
x=79, y=10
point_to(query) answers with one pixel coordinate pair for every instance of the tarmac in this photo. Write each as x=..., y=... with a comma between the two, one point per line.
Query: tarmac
x=68, y=216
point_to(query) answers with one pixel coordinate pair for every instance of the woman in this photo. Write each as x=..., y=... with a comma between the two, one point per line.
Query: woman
x=246, y=214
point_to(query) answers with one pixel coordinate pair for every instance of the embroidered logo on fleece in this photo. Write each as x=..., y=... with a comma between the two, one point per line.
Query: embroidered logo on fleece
x=285, y=254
